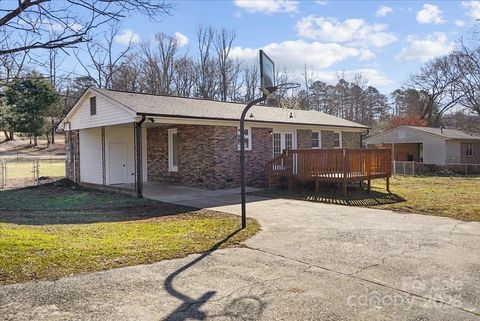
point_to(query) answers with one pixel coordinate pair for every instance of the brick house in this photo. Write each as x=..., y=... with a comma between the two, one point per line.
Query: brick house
x=437, y=146
x=120, y=138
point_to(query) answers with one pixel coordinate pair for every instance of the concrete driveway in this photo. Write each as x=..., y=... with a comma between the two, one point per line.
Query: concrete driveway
x=310, y=262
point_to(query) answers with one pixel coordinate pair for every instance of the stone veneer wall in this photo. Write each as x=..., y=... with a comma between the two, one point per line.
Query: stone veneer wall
x=351, y=140
x=304, y=139
x=72, y=167
x=208, y=156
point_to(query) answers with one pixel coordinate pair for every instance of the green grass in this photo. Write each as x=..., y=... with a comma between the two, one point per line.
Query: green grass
x=455, y=197
x=52, y=235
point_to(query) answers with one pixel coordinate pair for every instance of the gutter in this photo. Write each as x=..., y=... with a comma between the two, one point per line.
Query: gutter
x=363, y=136
x=249, y=120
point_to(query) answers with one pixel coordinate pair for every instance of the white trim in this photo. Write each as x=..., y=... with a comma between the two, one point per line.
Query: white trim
x=319, y=133
x=171, y=167
x=340, y=137
x=249, y=137
x=231, y=123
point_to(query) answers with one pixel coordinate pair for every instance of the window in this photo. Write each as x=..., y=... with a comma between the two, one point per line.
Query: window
x=172, y=150
x=316, y=140
x=93, y=105
x=469, y=150
x=337, y=140
x=248, y=138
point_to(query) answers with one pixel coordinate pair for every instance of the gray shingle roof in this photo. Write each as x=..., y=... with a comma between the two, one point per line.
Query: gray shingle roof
x=447, y=133
x=168, y=106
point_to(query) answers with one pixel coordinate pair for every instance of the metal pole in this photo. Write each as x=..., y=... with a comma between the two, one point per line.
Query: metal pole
x=242, y=156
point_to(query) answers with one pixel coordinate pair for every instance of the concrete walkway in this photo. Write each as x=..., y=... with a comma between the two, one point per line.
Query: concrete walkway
x=310, y=262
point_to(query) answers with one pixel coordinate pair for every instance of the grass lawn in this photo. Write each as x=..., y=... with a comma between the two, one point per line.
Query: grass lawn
x=456, y=197
x=53, y=231
x=24, y=169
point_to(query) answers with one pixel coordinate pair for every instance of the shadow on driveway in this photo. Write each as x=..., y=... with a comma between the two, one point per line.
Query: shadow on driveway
x=243, y=308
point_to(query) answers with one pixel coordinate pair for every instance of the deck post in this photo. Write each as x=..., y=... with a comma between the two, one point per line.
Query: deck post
x=369, y=185
x=388, y=184
x=317, y=186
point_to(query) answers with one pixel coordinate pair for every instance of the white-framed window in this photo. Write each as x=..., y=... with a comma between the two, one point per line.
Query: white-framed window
x=248, y=138
x=469, y=152
x=93, y=106
x=337, y=139
x=172, y=150
x=316, y=139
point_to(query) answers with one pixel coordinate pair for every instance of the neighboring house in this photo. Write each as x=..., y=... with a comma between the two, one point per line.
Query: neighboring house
x=186, y=141
x=439, y=146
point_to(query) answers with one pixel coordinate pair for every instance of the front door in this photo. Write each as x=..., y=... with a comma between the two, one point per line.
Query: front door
x=117, y=163
x=282, y=141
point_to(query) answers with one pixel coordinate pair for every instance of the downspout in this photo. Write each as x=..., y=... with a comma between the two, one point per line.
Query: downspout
x=138, y=145
x=364, y=136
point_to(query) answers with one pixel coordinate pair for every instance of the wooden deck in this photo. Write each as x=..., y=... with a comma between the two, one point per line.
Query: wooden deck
x=342, y=166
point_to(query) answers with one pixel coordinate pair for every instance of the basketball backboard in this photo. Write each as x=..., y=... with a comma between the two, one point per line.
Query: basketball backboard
x=267, y=73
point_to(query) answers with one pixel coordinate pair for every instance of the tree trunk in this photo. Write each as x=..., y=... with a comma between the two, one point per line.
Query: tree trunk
x=7, y=137
x=35, y=140
x=53, y=131
x=12, y=135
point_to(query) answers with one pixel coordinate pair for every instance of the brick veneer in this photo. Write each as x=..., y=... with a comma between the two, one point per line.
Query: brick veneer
x=475, y=159
x=72, y=167
x=207, y=156
x=350, y=140
x=304, y=139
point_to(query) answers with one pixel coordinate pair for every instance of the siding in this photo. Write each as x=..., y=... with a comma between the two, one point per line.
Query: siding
x=125, y=135
x=108, y=113
x=433, y=147
x=91, y=152
x=91, y=155
x=452, y=149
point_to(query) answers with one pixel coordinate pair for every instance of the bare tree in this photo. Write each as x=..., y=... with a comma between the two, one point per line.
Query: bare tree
x=185, y=77
x=104, y=62
x=207, y=67
x=129, y=77
x=223, y=44
x=438, y=79
x=26, y=24
x=468, y=63
x=251, y=82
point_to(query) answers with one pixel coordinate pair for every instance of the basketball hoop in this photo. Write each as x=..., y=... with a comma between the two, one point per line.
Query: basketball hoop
x=285, y=86
x=267, y=87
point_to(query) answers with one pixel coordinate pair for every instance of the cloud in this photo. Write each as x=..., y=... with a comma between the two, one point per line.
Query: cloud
x=350, y=31
x=459, y=23
x=322, y=2
x=374, y=76
x=430, y=14
x=293, y=55
x=473, y=8
x=182, y=40
x=424, y=49
x=383, y=11
x=267, y=6
x=126, y=37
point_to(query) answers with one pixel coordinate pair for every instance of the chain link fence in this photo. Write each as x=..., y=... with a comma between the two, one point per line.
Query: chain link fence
x=418, y=168
x=24, y=172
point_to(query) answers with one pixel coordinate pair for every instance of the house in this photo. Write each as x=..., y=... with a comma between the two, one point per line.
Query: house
x=116, y=137
x=439, y=146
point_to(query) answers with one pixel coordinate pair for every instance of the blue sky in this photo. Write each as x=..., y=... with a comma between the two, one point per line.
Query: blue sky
x=383, y=40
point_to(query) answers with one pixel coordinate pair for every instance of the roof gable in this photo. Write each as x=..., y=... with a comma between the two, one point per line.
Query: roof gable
x=109, y=112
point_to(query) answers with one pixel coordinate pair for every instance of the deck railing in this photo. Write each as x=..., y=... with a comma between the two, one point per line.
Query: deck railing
x=344, y=165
